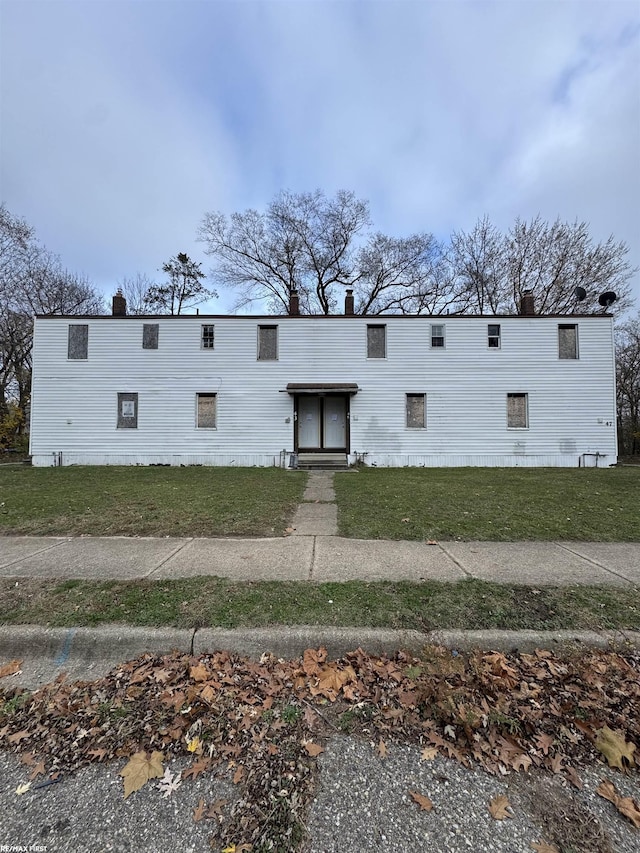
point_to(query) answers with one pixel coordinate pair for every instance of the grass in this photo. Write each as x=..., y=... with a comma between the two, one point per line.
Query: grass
x=216, y=602
x=154, y=501
x=495, y=504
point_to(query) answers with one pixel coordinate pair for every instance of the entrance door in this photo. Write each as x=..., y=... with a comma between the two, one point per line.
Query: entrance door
x=309, y=422
x=321, y=422
x=335, y=423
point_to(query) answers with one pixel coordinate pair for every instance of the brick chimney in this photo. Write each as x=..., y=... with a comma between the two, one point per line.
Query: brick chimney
x=527, y=304
x=348, y=303
x=294, y=303
x=119, y=305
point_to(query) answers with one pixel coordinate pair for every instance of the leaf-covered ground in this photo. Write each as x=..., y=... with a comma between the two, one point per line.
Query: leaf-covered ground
x=263, y=723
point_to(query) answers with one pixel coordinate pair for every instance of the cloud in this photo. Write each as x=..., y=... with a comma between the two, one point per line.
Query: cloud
x=125, y=122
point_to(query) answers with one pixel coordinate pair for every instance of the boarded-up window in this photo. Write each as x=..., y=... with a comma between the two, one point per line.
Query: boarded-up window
x=493, y=335
x=437, y=335
x=416, y=411
x=208, y=337
x=517, y=411
x=376, y=341
x=127, y=411
x=206, y=411
x=150, y=333
x=78, y=344
x=267, y=343
x=568, y=340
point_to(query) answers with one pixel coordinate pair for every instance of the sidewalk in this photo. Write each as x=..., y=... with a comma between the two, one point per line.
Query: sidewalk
x=320, y=558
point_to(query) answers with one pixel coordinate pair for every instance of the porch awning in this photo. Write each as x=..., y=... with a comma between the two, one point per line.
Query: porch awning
x=322, y=388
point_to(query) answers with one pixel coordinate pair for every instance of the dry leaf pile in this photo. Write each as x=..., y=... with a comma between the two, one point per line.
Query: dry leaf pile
x=263, y=722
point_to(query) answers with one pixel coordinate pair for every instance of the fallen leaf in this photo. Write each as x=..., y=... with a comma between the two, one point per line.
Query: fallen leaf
x=543, y=847
x=169, y=783
x=625, y=805
x=199, y=672
x=424, y=802
x=10, y=668
x=97, y=753
x=313, y=749
x=38, y=770
x=18, y=736
x=382, y=749
x=573, y=777
x=139, y=769
x=198, y=814
x=22, y=789
x=614, y=748
x=198, y=767
x=193, y=744
x=498, y=807
x=428, y=753
x=238, y=776
x=289, y=529
x=432, y=542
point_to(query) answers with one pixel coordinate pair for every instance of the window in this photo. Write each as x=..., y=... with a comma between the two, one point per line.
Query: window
x=437, y=335
x=493, y=335
x=127, y=411
x=78, y=343
x=416, y=411
x=267, y=343
x=568, y=340
x=206, y=413
x=207, y=339
x=150, y=335
x=376, y=341
x=518, y=411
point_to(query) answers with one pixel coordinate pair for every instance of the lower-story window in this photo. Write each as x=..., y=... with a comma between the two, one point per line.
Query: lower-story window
x=416, y=411
x=206, y=411
x=518, y=411
x=127, y=411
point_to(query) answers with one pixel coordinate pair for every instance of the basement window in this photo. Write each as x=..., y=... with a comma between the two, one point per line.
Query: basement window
x=150, y=333
x=127, y=411
x=207, y=337
x=568, y=340
x=206, y=411
x=416, y=414
x=518, y=411
x=78, y=342
x=267, y=343
x=376, y=341
x=493, y=335
x=437, y=335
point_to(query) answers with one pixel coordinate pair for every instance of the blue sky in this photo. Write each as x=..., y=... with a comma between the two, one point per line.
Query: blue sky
x=124, y=122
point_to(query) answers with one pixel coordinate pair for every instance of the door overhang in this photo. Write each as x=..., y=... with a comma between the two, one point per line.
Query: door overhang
x=319, y=388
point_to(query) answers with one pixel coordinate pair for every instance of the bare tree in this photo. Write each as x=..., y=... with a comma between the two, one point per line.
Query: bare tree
x=304, y=242
x=493, y=270
x=628, y=386
x=136, y=292
x=182, y=290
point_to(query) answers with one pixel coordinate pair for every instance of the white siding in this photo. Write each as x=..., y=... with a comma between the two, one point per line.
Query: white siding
x=571, y=402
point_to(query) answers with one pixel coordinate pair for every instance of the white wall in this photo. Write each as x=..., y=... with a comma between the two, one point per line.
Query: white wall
x=571, y=402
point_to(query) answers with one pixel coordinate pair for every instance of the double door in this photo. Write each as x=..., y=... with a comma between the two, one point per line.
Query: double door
x=322, y=422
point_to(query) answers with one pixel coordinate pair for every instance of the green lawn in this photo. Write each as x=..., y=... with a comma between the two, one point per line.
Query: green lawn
x=212, y=601
x=138, y=501
x=500, y=504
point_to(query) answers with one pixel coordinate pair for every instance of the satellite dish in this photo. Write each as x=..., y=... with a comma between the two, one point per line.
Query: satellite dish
x=580, y=293
x=607, y=299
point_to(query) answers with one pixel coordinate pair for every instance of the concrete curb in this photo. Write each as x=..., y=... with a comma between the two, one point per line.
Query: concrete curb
x=61, y=646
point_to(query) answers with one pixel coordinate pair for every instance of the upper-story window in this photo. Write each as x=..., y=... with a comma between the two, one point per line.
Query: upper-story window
x=568, y=340
x=78, y=342
x=150, y=333
x=493, y=335
x=437, y=335
x=267, y=343
x=376, y=341
x=207, y=337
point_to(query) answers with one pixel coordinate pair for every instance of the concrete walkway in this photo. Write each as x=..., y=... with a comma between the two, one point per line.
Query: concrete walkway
x=320, y=557
x=317, y=515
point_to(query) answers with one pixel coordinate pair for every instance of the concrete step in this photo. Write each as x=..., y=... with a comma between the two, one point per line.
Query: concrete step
x=323, y=462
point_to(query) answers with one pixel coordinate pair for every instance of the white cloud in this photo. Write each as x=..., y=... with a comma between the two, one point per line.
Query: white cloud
x=128, y=121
